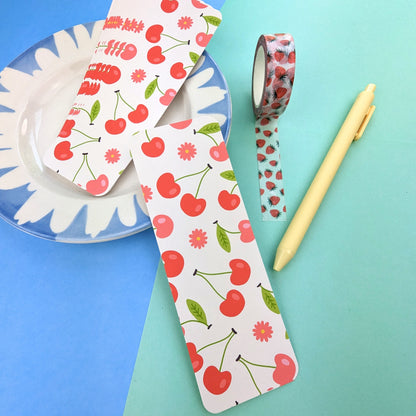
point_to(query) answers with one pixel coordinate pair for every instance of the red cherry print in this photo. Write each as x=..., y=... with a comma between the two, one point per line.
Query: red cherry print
x=62, y=151
x=197, y=4
x=228, y=201
x=67, y=128
x=97, y=186
x=174, y=292
x=111, y=75
x=292, y=57
x=173, y=262
x=167, y=186
x=260, y=143
x=240, y=271
x=154, y=148
x=155, y=56
x=139, y=115
x=202, y=39
x=115, y=126
x=167, y=98
x=129, y=52
x=274, y=200
x=153, y=33
x=219, y=153
x=279, y=175
x=285, y=369
x=196, y=359
x=192, y=206
x=247, y=234
x=233, y=304
x=163, y=225
x=215, y=381
x=169, y=6
x=181, y=124
x=177, y=71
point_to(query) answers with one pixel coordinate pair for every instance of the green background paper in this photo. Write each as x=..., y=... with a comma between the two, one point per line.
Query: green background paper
x=348, y=295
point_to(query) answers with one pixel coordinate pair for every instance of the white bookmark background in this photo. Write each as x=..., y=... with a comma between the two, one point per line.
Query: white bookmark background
x=234, y=332
x=145, y=53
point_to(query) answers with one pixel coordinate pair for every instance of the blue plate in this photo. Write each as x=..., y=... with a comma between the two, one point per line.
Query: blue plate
x=36, y=92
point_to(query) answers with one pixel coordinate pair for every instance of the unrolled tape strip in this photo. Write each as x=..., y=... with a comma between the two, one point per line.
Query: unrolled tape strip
x=273, y=75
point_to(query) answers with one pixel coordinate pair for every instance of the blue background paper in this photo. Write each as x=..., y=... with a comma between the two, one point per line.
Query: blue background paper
x=70, y=316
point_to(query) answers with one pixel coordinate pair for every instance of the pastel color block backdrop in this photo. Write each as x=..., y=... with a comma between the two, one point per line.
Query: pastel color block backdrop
x=70, y=326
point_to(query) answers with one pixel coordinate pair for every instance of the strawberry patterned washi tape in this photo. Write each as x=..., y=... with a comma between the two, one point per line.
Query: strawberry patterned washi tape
x=273, y=76
x=234, y=333
x=143, y=57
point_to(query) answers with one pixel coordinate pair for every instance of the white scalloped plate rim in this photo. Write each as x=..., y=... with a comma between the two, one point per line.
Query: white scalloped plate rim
x=37, y=201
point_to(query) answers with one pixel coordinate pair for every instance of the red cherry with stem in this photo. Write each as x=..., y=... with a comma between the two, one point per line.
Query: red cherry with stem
x=173, y=262
x=167, y=98
x=174, y=292
x=169, y=6
x=285, y=369
x=167, y=186
x=219, y=153
x=240, y=272
x=138, y=115
x=192, y=206
x=181, y=124
x=163, y=225
x=246, y=231
x=228, y=201
x=153, y=148
x=196, y=359
x=115, y=126
x=62, y=151
x=199, y=5
x=202, y=39
x=67, y=128
x=233, y=303
x=97, y=186
x=177, y=71
x=216, y=381
x=129, y=52
x=111, y=75
x=153, y=33
x=155, y=56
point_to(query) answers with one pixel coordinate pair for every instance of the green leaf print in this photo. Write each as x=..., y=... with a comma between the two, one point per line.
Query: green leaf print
x=95, y=110
x=270, y=300
x=196, y=310
x=229, y=175
x=212, y=20
x=223, y=239
x=194, y=57
x=150, y=89
x=210, y=128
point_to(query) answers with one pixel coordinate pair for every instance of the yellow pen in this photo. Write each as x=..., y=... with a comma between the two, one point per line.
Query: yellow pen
x=352, y=129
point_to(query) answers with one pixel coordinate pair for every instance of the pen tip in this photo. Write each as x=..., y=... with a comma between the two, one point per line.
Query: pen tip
x=371, y=87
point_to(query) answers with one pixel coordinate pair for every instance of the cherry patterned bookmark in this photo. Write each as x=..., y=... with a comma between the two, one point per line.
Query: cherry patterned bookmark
x=235, y=335
x=143, y=57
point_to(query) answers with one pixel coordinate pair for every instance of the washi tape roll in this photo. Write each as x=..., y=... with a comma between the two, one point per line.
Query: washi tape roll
x=273, y=75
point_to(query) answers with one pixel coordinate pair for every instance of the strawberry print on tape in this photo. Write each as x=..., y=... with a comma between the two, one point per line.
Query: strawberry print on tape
x=142, y=59
x=233, y=329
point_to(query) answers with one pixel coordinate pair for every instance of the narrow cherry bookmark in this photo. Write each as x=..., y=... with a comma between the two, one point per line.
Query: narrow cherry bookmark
x=235, y=335
x=142, y=59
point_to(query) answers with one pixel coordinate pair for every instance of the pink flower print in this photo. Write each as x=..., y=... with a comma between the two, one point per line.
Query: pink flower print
x=262, y=331
x=113, y=22
x=138, y=75
x=198, y=238
x=185, y=23
x=112, y=156
x=147, y=193
x=133, y=25
x=187, y=151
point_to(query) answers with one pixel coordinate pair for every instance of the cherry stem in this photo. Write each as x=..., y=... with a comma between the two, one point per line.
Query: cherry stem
x=235, y=186
x=231, y=334
x=207, y=25
x=83, y=109
x=212, y=287
x=214, y=274
x=189, y=66
x=251, y=375
x=88, y=166
x=147, y=135
x=175, y=46
x=227, y=231
x=200, y=182
x=192, y=174
x=257, y=365
x=82, y=164
x=208, y=135
x=193, y=320
x=158, y=88
x=124, y=101
x=89, y=141
x=225, y=349
x=115, y=109
x=95, y=139
x=171, y=37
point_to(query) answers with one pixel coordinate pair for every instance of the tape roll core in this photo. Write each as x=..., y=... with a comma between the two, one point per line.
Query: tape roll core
x=259, y=76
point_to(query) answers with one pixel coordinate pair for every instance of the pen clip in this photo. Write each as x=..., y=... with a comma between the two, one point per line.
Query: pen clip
x=367, y=117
